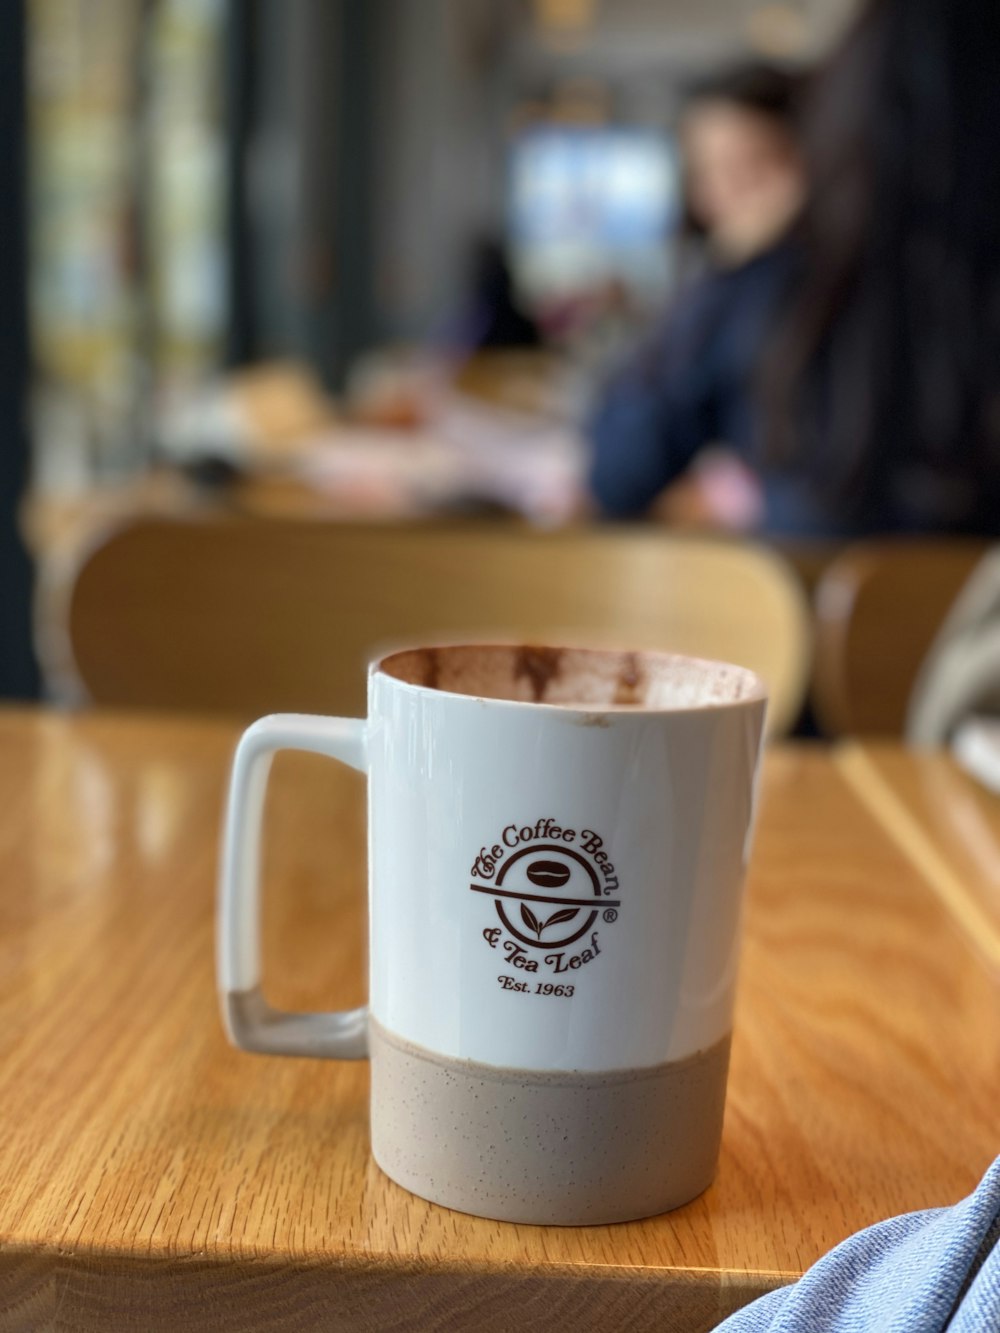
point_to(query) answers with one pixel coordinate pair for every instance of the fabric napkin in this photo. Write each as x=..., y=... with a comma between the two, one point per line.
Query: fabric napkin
x=920, y=1273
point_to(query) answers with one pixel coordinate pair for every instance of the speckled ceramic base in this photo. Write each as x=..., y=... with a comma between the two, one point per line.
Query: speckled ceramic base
x=557, y=1149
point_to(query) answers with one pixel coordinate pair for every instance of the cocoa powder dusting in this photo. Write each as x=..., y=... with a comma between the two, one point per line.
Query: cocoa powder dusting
x=540, y=666
x=629, y=685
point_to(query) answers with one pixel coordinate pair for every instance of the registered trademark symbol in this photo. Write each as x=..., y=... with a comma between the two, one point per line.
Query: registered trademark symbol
x=610, y=915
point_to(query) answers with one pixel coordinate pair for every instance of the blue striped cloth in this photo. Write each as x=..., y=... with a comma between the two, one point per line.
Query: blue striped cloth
x=920, y=1273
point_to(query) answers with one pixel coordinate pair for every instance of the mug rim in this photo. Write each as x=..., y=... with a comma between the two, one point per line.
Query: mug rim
x=757, y=693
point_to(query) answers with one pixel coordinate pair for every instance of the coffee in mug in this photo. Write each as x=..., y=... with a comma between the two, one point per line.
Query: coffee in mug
x=557, y=840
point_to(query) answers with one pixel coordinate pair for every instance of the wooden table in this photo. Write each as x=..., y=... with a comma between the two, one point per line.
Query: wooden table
x=155, y=1179
x=945, y=822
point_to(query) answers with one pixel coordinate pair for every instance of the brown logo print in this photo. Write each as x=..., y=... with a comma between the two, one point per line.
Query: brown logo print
x=552, y=916
x=547, y=894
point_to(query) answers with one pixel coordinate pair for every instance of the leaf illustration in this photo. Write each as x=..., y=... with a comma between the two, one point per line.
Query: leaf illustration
x=565, y=914
x=530, y=920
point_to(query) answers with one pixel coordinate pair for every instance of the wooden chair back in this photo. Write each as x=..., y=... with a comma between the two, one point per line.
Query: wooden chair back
x=878, y=607
x=247, y=616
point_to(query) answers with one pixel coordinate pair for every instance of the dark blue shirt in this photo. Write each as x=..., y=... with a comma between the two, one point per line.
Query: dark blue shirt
x=690, y=385
x=693, y=384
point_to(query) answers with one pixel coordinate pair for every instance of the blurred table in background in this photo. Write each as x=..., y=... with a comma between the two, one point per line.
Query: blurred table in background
x=416, y=435
x=155, y=1179
x=491, y=441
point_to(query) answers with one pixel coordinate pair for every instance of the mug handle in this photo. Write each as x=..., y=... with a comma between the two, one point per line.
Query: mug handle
x=250, y=1021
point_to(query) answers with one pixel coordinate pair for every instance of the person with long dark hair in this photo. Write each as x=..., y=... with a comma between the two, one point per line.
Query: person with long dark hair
x=880, y=388
x=871, y=402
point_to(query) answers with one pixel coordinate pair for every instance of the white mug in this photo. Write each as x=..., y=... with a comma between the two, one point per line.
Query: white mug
x=557, y=846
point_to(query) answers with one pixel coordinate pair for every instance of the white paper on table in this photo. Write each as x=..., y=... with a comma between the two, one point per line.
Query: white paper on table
x=530, y=465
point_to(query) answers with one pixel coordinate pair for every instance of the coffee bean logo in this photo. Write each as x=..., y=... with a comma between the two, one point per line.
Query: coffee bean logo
x=547, y=896
x=548, y=874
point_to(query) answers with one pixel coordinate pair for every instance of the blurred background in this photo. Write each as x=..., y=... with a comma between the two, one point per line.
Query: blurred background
x=215, y=184
x=395, y=261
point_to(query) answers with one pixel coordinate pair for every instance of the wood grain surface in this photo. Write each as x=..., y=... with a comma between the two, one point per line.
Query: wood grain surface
x=945, y=822
x=155, y=1179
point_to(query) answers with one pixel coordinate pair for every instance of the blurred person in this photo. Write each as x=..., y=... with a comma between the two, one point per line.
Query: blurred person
x=874, y=405
x=689, y=388
x=881, y=386
x=493, y=317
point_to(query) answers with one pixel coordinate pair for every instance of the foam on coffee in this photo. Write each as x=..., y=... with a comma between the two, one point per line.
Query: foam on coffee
x=561, y=1148
x=574, y=677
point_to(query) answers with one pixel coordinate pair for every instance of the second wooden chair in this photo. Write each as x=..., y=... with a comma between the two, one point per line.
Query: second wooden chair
x=879, y=606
